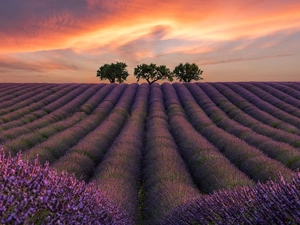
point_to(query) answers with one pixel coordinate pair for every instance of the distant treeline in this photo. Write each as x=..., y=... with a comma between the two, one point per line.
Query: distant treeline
x=150, y=72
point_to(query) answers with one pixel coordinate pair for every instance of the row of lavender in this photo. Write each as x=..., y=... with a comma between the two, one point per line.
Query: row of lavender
x=151, y=148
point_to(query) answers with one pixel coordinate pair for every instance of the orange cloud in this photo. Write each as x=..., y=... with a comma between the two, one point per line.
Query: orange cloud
x=9, y=63
x=91, y=23
x=137, y=31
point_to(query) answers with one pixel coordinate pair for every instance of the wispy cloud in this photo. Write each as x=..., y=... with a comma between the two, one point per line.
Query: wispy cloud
x=56, y=37
x=241, y=59
x=144, y=46
x=35, y=66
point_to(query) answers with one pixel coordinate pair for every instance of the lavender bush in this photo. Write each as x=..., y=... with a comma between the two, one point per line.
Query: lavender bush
x=44, y=120
x=279, y=98
x=119, y=173
x=248, y=159
x=200, y=155
x=65, y=98
x=95, y=144
x=32, y=194
x=9, y=91
x=31, y=138
x=58, y=144
x=52, y=99
x=77, y=101
x=291, y=88
x=284, y=153
x=94, y=101
x=30, y=104
x=23, y=95
x=166, y=179
x=265, y=106
x=240, y=116
x=249, y=108
x=152, y=149
x=270, y=203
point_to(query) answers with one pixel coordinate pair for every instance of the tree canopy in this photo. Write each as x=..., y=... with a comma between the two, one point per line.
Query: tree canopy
x=187, y=72
x=152, y=73
x=113, y=72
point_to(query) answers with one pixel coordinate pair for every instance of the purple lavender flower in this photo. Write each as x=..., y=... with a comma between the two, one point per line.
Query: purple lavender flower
x=270, y=203
x=30, y=193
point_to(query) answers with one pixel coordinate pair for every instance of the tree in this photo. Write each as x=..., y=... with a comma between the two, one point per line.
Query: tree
x=152, y=73
x=113, y=72
x=187, y=72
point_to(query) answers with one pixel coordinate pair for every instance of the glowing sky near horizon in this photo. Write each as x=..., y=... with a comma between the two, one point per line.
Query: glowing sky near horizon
x=67, y=41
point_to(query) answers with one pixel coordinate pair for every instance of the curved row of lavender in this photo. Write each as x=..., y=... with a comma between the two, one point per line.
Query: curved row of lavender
x=201, y=156
x=107, y=123
x=166, y=180
x=153, y=148
x=119, y=173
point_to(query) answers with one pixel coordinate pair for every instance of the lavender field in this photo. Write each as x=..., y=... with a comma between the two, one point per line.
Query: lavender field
x=192, y=153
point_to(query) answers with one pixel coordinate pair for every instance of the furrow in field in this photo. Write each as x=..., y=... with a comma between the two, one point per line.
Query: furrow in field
x=33, y=116
x=264, y=106
x=167, y=182
x=240, y=116
x=66, y=99
x=290, y=88
x=286, y=154
x=91, y=104
x=118, y=175
x=8, y=89
x=209, y=167
x=93, y=146
x=246, y=158
x=64, y=112
x=278, y=98
x=22, y=139
x=6, y=86
x=29, y=92
x=14, y=91
x=32, y=138
x=251, y=109
x=57, y=145
x=29, y=105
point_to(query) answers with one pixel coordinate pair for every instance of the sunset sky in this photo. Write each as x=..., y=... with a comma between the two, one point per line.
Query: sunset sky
x=68, y=40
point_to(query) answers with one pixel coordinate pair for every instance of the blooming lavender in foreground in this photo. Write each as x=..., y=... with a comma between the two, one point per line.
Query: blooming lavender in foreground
x=271, y=203
x=31, y=194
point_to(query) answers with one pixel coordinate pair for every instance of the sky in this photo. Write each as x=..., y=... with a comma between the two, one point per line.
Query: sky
x=66, y=41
